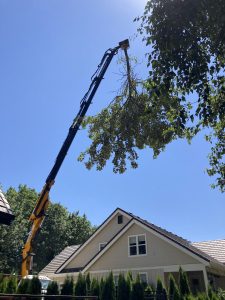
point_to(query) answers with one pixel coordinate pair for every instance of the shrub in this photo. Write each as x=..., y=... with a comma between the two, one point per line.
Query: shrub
x=88, y=284
x=80, y=286
x=108, y=291
x=23, y=286
x=1, y=283
x=183, y=284
x=11, y=285
x=53, y=288
x=173, y=290
x=137, y=292
x=94, y=288
x=34, y=286
x=67, y=287
x=124, y=289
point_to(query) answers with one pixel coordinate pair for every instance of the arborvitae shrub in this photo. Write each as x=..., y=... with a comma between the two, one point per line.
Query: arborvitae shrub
x=34, y=286
x=4, y=284
x=88, y=284
x=80, y=286
x=11, y=285
x=101, y=287
x=108, y=292
x=67, y=287
x=53, y=288
x=23, y=286
x=183, y=283
x=1, y=283
x=137, y=292
x=124, y=289
x=173, y=291
x=159, y=289
x=95, y=288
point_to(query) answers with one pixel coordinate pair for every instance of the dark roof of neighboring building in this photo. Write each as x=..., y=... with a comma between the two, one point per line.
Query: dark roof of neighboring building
x=215, y=249
x=6, y=215
x=59, y=259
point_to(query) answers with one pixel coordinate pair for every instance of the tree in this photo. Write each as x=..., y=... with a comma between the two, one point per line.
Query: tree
x=183, y=283
x=173, y=291
x=108, y=290
x=34, y=286
x=95, y=288
x=137, y=292
x=23, y=286
x=53, y=288
x=60, y=229
x=183, y=95
x=67, y=287
x=88, y=284
x=123, y=290
x=11, y=285
x=80, y=286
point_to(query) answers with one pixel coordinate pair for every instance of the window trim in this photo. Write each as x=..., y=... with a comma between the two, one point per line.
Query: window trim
x=99, y=245
x=136, y=236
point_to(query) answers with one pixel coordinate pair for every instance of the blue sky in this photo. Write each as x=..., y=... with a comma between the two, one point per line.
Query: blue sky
x=49, y=49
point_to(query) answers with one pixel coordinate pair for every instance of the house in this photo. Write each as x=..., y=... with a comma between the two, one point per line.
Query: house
x=125, y=242
x=6, y=215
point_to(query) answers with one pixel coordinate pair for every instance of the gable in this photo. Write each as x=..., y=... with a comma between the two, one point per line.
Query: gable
x=160, y=252
x=103, y=235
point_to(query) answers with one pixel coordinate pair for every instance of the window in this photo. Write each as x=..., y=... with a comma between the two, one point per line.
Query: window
x=101, y=246
x=120, y=219
x=143, y=278
x=137, y=245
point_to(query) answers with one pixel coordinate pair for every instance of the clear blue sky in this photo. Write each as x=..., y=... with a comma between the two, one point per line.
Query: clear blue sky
x=48, y=51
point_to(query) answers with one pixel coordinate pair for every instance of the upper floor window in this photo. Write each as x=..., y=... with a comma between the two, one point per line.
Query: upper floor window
x=137, y=245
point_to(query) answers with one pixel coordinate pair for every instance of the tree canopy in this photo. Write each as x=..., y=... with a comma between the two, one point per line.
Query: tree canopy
x=60, y=229
x=183, y=95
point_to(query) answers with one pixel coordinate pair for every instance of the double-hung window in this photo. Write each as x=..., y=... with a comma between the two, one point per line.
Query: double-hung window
x=137, y=245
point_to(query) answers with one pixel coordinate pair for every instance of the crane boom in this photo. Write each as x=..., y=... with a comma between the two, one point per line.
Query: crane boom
x=39, y=212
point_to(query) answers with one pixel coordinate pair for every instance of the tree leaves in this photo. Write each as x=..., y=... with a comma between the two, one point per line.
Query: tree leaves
x=60, y=229
x=183, y=95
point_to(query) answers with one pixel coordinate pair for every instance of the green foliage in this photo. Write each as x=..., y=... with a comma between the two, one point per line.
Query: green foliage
x=53, y=288
x=11, y=285
x=80, y=286
x=173, y=291
x=108, y=290
x=23, y=286
x=67, y=287
x=124, y=289
x=183, y=283
x=4, y=284
x=34, y=286
x=59, y=230
x=137, y=292
x=95, y=288
x=183, y=94
x=88, y=283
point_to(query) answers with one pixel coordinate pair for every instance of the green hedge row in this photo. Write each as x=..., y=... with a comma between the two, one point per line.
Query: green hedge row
x=127, y=288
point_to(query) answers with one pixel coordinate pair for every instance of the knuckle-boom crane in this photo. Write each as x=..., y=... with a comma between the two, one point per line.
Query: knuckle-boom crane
x=39, y=212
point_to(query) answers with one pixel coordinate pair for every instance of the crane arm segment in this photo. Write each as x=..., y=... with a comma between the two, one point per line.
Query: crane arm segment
x=38, y=214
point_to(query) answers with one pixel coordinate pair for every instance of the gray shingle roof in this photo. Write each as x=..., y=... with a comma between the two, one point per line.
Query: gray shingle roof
x=59, y=259
x=215, y=249
x=177, y=239
x=6, y=215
